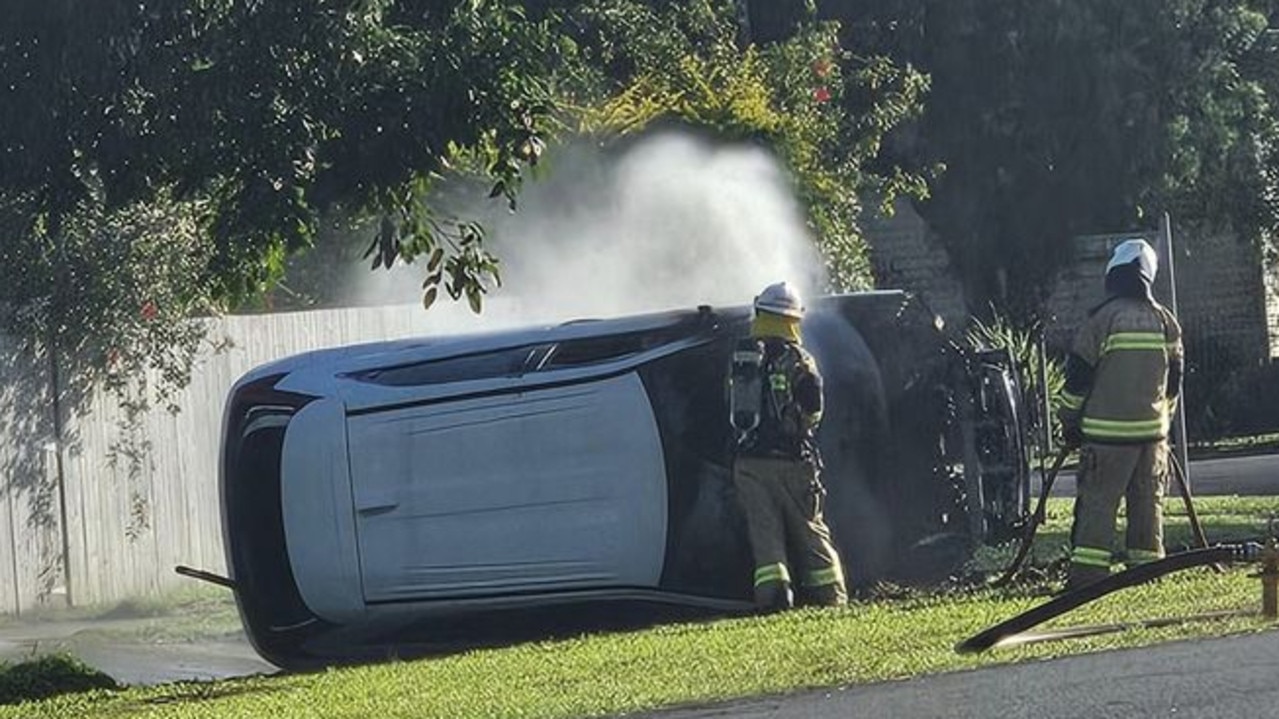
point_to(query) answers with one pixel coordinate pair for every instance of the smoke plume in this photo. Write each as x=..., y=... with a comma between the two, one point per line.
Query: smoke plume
x=671, y=222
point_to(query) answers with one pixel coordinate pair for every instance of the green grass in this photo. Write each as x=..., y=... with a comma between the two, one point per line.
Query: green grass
x=902, y=634
x=47, y=676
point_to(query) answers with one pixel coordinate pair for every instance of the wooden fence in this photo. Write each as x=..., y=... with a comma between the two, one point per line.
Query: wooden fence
x=107, y=512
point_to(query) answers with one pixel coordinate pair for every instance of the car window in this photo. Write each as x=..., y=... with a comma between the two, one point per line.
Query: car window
x=508, y=362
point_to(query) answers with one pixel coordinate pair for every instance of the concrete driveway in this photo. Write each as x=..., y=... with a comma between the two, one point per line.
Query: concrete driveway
x=125, y=650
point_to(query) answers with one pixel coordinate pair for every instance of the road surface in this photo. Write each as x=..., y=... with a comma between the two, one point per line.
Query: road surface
x=1244, y=476
x=1229, y=678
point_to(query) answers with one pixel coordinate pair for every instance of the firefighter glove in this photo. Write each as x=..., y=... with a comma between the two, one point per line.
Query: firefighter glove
x=1072, y=435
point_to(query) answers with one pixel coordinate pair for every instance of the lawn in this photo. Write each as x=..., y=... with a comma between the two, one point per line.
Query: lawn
x=895, y=634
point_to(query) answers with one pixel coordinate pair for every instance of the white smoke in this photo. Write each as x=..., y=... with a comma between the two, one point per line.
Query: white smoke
x=671, y=222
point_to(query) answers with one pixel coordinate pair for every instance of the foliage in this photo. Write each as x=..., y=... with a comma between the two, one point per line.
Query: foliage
x=113, y=293
x=272, y=113
x=630, y=66
x=685, y=65
x=49, y=676
x=1230, y=406
x=896, y=635
x=260, y=120
x=111, y=300
x=1059, y=119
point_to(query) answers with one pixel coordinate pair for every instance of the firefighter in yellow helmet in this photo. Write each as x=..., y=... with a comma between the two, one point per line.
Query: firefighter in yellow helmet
x=776, y=405
x=1123, y=375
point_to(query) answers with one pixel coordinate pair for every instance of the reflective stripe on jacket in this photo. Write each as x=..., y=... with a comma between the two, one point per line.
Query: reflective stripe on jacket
x=1130, y=345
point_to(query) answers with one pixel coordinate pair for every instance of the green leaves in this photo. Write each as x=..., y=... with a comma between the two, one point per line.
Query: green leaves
x=258, y=119
x=1061, y=119
x=684, y=64
x=113, y=292
x=164, y=159
x=49, y=676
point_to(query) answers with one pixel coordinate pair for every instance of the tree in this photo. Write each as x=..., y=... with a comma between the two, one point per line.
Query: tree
x=684, y=63
x=1058, y=119
x=160, y=158
x=769, y=21
x=275, y=112
x=632, y=66
x=251, y=122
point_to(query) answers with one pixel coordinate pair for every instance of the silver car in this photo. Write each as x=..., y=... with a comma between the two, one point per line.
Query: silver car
x=376, y=497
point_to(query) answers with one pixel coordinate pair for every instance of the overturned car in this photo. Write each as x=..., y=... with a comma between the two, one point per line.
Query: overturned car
x=374, y=495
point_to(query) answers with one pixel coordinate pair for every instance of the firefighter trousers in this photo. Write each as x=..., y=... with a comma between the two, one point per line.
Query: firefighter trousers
x=782, y=500
x=1135, y=473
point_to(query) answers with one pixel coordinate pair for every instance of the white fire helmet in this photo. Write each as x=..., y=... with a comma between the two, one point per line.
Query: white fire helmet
x=1138, y=251
x=780, y=299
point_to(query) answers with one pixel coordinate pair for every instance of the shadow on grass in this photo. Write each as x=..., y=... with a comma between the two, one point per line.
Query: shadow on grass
x=198, y=691
x=505, y=628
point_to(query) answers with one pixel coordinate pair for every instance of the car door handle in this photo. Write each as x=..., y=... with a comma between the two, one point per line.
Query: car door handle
x=377, y=506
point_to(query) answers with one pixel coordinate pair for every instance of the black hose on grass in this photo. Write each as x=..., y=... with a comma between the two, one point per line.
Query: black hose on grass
x=1122, y=580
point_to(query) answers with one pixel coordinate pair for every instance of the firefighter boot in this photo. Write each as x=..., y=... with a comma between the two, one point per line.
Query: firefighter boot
x=773, y=596
x=1081, y=575
x=825, y=595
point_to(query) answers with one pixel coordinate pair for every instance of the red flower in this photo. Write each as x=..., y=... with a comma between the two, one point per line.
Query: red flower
x=149, y=310
x=821, y=94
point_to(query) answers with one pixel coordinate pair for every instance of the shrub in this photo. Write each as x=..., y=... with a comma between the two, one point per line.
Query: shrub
x=1241, y=403
x=49, y=676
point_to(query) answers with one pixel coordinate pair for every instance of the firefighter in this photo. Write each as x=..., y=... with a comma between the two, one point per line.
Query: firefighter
x=1123, y=376
x=776, y=405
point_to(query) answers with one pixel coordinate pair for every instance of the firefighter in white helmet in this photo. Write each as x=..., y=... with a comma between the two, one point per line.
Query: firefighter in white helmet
x=776, y=405
x=1123, y=376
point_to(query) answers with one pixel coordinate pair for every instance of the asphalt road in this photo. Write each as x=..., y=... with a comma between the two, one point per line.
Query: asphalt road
x=1245, y=476
x=1231, y=678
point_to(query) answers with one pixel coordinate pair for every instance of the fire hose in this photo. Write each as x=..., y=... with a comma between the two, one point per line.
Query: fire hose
x=1036, y=519
x=1249, y=551
x=1196, y=529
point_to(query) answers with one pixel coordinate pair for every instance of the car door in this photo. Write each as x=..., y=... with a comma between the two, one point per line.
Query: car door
x=540, y=490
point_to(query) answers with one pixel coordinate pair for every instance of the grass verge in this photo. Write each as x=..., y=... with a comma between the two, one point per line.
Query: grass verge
x=900, y=634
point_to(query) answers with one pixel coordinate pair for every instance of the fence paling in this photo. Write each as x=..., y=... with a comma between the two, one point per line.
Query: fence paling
x=131, y=523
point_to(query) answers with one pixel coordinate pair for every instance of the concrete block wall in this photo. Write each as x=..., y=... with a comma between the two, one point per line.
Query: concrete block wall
x=1272, y=306
x=1228, y=301
x=906, y=254
x=1221, y=298
x=1221, y=292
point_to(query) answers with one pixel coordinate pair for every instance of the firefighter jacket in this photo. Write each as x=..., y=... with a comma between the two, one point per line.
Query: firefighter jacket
x=790, y=405
x=1124, y=372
